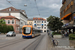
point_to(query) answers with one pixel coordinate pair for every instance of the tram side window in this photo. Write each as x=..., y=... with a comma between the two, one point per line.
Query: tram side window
x=33, y=31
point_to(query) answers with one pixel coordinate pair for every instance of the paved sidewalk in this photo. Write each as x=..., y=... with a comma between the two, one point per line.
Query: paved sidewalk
x=63, y=42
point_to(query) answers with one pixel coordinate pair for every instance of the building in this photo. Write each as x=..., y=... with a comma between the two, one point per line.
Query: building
x=40, y=23
x=18, y=13
x=67, y=14
x=11, y=20
x=30, y=22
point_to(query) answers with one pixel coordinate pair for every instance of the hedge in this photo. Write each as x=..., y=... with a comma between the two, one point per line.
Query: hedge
x=56, y=33
x=72, y=37
x=4, y=28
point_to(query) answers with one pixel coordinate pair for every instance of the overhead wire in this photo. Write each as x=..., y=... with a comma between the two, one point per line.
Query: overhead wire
x=10, y=3
x=37, y=7
x=35, y=3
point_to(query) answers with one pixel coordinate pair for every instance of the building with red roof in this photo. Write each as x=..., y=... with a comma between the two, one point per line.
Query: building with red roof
x=40, y=23
x=11, y=20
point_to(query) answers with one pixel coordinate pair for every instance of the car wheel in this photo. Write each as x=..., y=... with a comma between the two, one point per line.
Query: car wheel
x=11, y=35
x=6, y=35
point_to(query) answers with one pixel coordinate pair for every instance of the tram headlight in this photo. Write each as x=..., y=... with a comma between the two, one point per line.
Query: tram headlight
x=32, y=34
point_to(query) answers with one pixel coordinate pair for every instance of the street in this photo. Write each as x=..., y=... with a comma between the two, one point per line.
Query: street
x=41, y=42
x=18, y=43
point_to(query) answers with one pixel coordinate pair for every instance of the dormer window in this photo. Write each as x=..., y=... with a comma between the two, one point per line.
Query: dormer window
x=10, y=9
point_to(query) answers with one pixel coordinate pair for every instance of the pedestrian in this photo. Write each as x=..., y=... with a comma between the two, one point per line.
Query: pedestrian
x=65, y=33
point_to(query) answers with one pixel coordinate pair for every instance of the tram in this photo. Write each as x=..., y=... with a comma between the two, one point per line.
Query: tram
x=28, y=31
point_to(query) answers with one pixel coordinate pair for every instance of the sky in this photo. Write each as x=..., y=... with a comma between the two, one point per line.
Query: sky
x=35, y=8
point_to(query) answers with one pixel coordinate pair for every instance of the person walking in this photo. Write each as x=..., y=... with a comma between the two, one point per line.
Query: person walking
x=65, y=33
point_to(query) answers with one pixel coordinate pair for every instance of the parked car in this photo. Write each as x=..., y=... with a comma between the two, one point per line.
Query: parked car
x=0, y=32
x=11, y=33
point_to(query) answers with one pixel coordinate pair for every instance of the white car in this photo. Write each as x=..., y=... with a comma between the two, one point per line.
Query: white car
x=11, y=33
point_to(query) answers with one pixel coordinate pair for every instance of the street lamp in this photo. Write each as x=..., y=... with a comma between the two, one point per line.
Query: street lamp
x=25, y=4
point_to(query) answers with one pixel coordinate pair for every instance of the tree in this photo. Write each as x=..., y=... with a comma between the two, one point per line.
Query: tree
x=10, y=28
x=4, y=29
x=2, y=21
x=1, y=27
x=54, y=23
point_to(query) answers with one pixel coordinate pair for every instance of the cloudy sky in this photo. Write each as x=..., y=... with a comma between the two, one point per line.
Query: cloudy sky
x=45, y=7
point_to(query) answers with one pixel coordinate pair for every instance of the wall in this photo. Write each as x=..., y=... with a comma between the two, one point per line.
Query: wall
x=39, y=24
x=4, y=14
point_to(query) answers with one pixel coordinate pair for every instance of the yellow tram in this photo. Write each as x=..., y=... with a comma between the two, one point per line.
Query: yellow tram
x=28, y=31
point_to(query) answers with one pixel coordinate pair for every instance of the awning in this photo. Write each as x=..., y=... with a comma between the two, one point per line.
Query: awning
x=65, y=16
x=41, y=24
x=34, y=24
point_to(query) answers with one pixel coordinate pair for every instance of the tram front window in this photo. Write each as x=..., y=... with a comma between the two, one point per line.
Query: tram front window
x=27, y=30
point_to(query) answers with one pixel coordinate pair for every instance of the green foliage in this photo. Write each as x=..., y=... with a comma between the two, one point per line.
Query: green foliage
x=72, y=37
x=2, y=21
x=54, y=23
x=4, y=29
x=10, y=28
x=56, y=33
x=1, y=27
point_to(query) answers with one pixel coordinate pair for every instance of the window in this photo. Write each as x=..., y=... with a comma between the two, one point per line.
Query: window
x=12, y=21
x=8, y=21
x=26, y=30
x=38, y=21
x=45, y=24
x=44, y=27
x=42, y=21
x=45, y=21
x=31, y=23
x=38, y=27
x=44, y=30
x=9, y=14
x=10, y=9
x=21, y=23
x=35, y=21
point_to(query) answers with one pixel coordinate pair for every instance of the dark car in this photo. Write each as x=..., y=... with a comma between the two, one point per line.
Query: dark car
x=0, y=32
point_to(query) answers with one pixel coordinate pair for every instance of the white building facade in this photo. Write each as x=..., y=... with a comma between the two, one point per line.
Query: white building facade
x=40, y=23
x=18, y=13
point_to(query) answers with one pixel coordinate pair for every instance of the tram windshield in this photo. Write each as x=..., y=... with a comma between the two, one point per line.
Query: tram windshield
x=27, y=30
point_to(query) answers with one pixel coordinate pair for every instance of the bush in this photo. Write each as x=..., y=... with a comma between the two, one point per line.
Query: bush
x=10, y=28
x=4, y=28
x=56, y=33
x=72, y=37
x=0, y=27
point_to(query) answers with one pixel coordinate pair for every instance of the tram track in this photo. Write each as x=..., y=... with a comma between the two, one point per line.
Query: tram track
x=34, y=44
x=11, y=43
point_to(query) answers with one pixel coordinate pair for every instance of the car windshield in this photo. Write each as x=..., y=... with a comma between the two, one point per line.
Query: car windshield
x=9, y=32
x=27, y=30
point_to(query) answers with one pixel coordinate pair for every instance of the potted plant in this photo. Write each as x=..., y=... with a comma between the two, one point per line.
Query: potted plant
x=72, y=39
